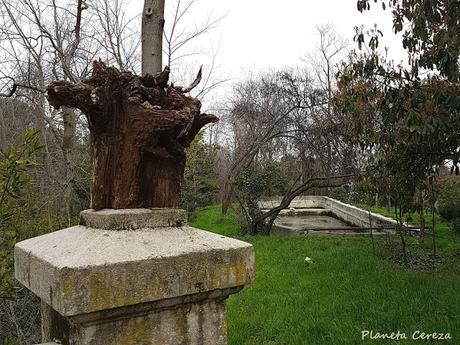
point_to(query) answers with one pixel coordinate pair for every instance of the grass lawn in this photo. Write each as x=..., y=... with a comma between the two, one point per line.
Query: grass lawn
x=343, y=292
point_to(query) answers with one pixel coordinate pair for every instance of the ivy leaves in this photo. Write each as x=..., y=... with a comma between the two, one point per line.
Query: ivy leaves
x=16, y=162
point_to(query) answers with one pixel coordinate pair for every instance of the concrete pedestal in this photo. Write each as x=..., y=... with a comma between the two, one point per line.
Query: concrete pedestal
x=134, y=277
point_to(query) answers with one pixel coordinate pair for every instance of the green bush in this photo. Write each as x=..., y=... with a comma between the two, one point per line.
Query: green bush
x=19, y=309
x=456, y=225
x=201, y=178
x=448, y=203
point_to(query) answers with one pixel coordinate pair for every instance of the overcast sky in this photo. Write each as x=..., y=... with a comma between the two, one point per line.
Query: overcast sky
x=266, y=33
x=262, y=34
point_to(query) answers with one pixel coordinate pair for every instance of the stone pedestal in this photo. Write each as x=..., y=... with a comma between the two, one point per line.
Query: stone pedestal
x=134, y=277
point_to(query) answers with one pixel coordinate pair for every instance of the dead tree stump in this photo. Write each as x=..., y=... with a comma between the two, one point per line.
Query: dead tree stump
x=140, y=128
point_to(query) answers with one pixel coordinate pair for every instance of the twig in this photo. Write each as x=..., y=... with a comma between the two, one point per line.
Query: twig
x=195, y=82
x=16, y=85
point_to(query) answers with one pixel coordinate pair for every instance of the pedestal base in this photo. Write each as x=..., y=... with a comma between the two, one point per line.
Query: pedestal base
x=197, y=320
x=142, y=286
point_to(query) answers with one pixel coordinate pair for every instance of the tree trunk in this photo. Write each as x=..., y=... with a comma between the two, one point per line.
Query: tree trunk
x=226, y=196
x=140, y=128
x=422, y=217
x=68, y=145
x=152, y=36
x=314, y=182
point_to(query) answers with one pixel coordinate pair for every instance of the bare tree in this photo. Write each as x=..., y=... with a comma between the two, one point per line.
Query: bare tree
x=186, y=46
x=257, y=117
x=53, y=52
x=178, y=38
x=117, y=33
x=329, y=49
x=280, y=117
x=263, y=119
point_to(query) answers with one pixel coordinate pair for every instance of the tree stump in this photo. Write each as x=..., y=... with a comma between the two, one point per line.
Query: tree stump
x=140, y=128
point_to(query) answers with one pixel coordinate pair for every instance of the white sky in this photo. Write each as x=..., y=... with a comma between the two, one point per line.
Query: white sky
x=268, y=33
x=258, y=35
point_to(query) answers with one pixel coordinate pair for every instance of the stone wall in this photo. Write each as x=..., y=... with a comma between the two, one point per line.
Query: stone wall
x=343, y=211
x=355, y=215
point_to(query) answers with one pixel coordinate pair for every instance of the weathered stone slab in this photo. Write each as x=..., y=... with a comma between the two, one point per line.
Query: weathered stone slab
x=199, y=319
x=132, y=219
x=356, y=215
x=201, y=323
x=82, y=270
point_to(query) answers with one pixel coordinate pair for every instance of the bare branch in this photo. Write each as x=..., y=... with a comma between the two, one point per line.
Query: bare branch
x=195, y=82
x=16, y=85
x=315, y=182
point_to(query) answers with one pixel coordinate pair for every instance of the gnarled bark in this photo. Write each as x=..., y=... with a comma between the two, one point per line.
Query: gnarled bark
x=140, y=128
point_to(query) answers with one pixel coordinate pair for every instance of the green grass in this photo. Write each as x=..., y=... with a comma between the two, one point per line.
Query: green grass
x=447, y=242
x=344, y=291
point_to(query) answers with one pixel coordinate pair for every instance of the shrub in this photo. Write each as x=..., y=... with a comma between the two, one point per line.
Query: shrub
x=456, y=225
x=201, y=178
x=341, y=193
x=19, y=316
x=448, y=203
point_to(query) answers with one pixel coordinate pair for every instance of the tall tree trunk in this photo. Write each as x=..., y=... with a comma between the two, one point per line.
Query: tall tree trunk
x=152, y=36
x=68, y=145
x=227, y=195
